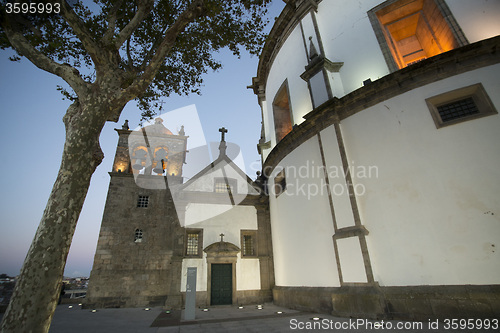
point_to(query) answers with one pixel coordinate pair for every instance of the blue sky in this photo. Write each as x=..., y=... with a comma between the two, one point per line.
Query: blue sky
x=31, y=111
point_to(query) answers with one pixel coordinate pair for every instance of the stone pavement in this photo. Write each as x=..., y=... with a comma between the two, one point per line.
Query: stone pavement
x=219, y=319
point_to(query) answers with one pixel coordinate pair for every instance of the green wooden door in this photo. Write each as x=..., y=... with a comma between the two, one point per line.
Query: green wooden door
x=222, y=284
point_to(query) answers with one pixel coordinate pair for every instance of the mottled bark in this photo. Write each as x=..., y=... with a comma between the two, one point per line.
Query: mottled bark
x=37, y=290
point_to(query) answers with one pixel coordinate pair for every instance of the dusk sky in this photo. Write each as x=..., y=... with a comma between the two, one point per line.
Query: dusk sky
x=31, y=111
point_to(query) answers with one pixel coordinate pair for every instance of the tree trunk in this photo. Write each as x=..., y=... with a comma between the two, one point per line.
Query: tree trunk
x=38, y=288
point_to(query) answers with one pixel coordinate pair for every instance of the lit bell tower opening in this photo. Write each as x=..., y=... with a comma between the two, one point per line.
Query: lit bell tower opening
x=151, y=151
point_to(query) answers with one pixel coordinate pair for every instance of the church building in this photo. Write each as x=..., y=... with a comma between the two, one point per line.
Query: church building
x=155, y=226
x=379, y=191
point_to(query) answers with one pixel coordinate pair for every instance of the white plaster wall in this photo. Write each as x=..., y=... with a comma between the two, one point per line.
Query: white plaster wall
x=230, y=221
x=289, y=63
x=479, y=19
x=309, y=31
x=206, y=182
x=247, y=274
x=336, y=176
x=302, y=224
x=348, y=37
x=318, y=87
x=433, y=210
x=351, y=260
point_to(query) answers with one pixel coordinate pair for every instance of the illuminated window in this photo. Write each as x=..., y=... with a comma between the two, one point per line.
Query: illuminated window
x=248, y=243
x=282, y=113
x=224, y=185
x=280, y=183
x=194, y=242
x=412, y=30
x=138, y=236
x=143, y=201
x=460, y=105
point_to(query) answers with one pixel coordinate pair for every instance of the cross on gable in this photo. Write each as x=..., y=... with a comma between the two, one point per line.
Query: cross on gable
x=223, y=131
x=221, y=237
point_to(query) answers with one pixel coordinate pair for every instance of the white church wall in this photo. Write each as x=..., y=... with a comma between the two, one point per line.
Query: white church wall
x=247, y=274
x=288, y=64
x=318, y=88
x=478, y=19
x=350, y=38
x=336, y=176
x=351, y=260
x=432, y=210
x=229, y=221
x=302, y=224
x=206, y=182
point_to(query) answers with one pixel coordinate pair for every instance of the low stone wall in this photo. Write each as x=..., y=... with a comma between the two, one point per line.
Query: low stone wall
x=407, y=303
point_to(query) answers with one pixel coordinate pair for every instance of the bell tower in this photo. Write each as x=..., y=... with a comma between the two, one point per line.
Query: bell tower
x=153, y=150
x=138, y=258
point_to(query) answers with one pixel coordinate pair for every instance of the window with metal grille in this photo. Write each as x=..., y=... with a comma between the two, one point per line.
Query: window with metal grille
x=138, y=236
x=458, y=109
x=460, y=105
x=194, y=242
x=224, y=185
x=143, y=201
x=248, y=245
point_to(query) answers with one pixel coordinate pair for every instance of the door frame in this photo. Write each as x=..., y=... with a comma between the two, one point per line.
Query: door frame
x=233, y=276
x=215, y=256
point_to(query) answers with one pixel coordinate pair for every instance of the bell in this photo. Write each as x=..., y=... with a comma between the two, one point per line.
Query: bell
x=159, y=167
x=138, y=164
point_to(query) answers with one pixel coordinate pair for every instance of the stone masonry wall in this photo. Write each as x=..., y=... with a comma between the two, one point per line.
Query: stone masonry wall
x=127, y=273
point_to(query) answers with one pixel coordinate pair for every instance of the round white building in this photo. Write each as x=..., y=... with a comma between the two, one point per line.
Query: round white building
x=379, y=143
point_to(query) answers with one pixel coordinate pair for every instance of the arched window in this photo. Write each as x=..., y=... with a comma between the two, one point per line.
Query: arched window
x=282, y=112
x=138, y=236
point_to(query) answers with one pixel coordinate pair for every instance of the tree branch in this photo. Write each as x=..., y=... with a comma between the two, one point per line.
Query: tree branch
x=40, y=60
x=81, y=32
x=108, y=35
x=143, y=10
x=195, y=10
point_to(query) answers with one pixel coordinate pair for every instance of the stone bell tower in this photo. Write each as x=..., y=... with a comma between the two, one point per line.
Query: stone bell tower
x=138, y=257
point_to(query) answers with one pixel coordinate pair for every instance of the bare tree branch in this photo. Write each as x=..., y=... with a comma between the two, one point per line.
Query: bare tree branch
x=143, y=10
x=64, y=71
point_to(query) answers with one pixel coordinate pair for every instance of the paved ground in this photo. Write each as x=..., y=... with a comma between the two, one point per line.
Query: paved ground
x=219, y=319
x=222, y=319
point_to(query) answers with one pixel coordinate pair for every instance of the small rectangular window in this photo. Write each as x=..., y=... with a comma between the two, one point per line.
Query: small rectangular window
x=138, y=236
x=143, y=201
x=248, y=243
x=458, y=109
x=460, y=105
x=225, y=185
x=194, y=242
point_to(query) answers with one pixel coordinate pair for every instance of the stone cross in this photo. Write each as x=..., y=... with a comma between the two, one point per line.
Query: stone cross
x=221, y=237
x=223, y=131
